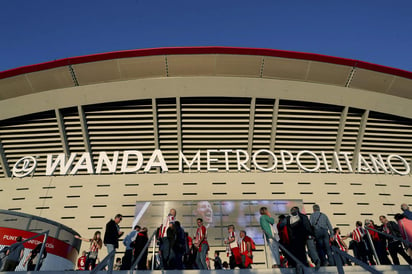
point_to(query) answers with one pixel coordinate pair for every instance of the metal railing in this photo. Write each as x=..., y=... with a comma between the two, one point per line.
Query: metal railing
x=300, y=266
x=144, y=250
x=337, y=251
x=407, y=243
x=339, y=265
x=112, y=254
x=105, y=262
x=372, y=246
x=43, y=246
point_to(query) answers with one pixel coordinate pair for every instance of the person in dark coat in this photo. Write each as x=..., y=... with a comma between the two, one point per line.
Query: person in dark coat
x=180, y=245
x=172, y=238
x=217, y=261
x=299, y=230
x=112, y=235
x=138, y=246
x=34, y=258
x=14, y=255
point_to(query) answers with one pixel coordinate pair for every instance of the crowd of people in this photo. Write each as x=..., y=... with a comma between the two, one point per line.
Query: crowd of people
x=315, y=236
x=295, y=237
x=293, y=240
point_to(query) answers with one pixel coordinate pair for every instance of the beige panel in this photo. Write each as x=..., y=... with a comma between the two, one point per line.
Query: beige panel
x=140, y=67
x=285, y=68
x=205, y=86
x=371, y=80
x=51, y=79
x=14, y=86
x=181, y=65
x=401, y=87
x=96, y=72
x=238, y=65
x=328, y=73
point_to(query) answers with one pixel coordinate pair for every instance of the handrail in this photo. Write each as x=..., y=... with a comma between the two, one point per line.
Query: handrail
x=372, y=246
x=154, y=252
x=353, y=259
x=298, y=262
x=142, y=252
x=104, y=262
x=43, y=245
x=390, y=236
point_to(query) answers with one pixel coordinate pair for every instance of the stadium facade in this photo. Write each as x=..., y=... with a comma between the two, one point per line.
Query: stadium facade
x=85, y=138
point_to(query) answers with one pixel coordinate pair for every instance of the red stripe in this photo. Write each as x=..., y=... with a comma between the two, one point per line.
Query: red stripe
x=53, y=245
x=204, y=50
x=339, y=241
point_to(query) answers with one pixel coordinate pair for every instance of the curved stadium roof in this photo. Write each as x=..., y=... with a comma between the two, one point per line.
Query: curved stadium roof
x=213, y=61
x=228, y=118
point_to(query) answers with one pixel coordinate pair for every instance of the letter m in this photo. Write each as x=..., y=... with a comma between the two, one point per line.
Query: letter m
x=183, y=158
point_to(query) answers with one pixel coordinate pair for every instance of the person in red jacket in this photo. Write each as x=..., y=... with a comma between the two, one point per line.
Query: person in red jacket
x=246, y=249
x=81, y=261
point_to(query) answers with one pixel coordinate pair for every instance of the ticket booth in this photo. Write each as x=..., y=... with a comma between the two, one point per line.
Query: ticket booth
x=61, y=246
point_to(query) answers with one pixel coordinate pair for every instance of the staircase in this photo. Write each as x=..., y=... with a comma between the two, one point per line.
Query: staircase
x=385, y=269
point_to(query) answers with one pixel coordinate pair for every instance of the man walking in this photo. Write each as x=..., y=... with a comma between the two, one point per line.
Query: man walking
x=323, y=231
x=128, y=254
x=201, y=244
x=14, y=255
x=164, y=245
x=394, y=246
x=111, y=236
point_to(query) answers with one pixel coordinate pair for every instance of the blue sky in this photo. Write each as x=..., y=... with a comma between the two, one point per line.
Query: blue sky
x=35, y=31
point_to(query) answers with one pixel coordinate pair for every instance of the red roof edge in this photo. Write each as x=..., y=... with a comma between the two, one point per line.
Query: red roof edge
x=203, y=50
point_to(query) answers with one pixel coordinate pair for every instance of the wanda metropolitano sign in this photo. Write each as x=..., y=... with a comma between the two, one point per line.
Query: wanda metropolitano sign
x=204, y=160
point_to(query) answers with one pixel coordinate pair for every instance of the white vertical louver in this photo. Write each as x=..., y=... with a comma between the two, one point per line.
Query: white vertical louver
x=206, y=123
x=121, y=126
x=387, y=135
x=306, y=126
x=32, y=135
x=167, y=122
x=215, y=123
x=262, y=131
x=350, y=135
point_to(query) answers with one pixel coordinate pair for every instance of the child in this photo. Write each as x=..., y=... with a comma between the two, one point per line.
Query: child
x=218, y=261
x=118, y=264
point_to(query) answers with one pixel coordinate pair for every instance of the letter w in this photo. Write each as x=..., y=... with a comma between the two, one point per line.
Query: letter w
x=60, y=160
